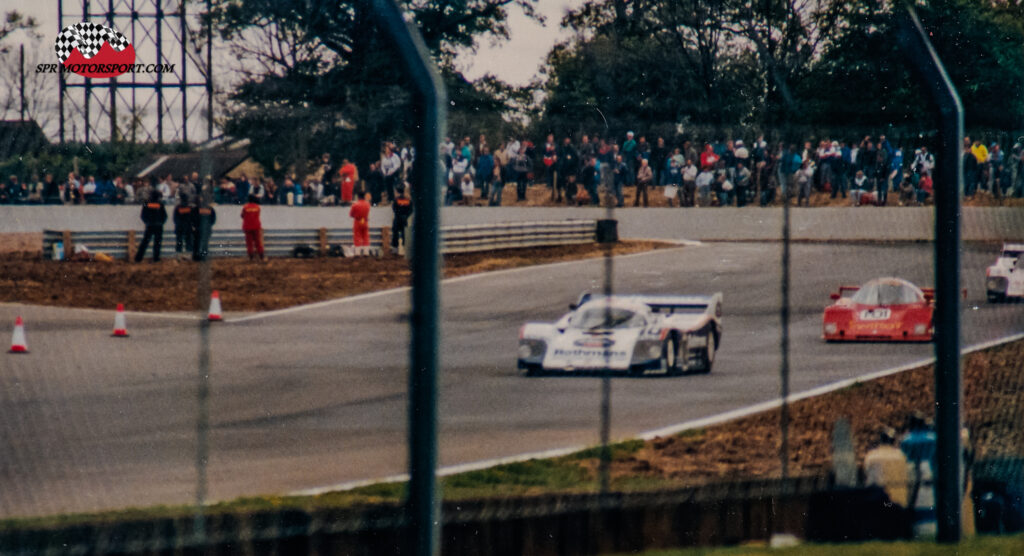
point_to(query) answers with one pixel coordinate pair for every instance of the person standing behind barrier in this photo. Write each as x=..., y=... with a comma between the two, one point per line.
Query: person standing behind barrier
x=885, y=465
x=203, y=219
x=154, y=215
x=919, y=447
x=804, y=177
x=629, y=155
x=644, y=178
x=390, y=164
x=567, y=163
x=402, y=208
x=252, y=228
x=689, y=188
x=497, y=187
x=484, y=172
x=183, y=230
x=360, y=213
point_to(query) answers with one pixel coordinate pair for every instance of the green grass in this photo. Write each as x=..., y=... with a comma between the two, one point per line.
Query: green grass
x=617, y=450
x=977, y=546
x=567, y=474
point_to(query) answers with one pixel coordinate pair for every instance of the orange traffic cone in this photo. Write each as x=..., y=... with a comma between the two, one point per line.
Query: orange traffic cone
x=215, y=311
x=18, y=338
x=120, y=330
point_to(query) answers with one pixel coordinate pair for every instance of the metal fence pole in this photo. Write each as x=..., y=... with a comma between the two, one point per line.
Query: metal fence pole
x=429, y=98
x=948, y=187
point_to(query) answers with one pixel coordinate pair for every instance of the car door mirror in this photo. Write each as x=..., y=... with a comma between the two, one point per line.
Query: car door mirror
x=573, y=306
x=834, y=296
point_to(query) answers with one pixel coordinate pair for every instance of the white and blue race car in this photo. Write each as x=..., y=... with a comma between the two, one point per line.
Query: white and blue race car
x=672, y=334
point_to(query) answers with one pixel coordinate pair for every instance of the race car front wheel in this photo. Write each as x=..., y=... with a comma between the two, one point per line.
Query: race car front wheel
x=670, y=357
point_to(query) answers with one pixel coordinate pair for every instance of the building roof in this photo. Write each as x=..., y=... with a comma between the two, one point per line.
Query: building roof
x=220, y=163
x=20, y=137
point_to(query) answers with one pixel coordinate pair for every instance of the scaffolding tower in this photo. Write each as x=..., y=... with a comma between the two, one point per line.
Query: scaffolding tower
x=142, y=107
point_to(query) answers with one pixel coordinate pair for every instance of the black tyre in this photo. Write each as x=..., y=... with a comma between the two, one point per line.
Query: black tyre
x=994, y=297
x=671, y=360
x=707, y=357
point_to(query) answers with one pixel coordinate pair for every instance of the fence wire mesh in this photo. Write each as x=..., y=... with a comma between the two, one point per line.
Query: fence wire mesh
x=282, y=429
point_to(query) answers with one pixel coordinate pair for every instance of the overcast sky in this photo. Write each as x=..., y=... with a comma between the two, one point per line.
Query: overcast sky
x=516, y=60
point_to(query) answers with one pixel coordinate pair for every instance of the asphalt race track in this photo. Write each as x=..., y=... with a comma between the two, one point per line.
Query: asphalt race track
x=315, y=397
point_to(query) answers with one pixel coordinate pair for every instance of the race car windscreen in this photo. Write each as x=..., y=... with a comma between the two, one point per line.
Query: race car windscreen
x=878, y=293
x=595, y=318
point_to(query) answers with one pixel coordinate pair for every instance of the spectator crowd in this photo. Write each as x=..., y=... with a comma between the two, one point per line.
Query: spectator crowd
x=583, y=172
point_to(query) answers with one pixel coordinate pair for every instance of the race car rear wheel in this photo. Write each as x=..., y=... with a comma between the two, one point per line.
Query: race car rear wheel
x=708, y=357
x=670, y=361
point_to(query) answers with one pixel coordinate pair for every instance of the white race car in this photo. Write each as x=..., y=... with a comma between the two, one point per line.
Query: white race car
x=1005, y=279
x=631, y=333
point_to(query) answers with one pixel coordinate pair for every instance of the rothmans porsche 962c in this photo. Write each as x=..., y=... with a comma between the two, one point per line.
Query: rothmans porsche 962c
x=883, y=309
x=626, y=333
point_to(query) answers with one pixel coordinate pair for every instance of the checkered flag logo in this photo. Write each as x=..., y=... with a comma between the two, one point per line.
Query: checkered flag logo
x=88, y=38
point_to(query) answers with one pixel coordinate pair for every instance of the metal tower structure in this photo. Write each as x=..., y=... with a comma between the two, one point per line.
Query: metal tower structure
x=142, y=107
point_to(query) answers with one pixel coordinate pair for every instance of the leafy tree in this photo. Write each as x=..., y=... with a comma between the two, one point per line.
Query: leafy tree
x=648, y=64
x=325, y=80
x=864, y=78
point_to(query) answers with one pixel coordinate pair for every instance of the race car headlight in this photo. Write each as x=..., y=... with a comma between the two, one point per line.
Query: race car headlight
x=646, y=350
x=831, y=328
x=531, y=349
x=995, y=284
x=920, y=329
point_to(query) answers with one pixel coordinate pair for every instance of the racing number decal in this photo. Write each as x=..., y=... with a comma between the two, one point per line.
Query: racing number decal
x=875, y=314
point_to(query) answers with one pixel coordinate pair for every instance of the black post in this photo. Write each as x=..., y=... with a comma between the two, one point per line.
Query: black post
x=784, y=341
x=429, y=99
x=209, y=70
x=60, y=74
x=948, y=188
x=21, y=73
x=159, y=75
x=184, y=72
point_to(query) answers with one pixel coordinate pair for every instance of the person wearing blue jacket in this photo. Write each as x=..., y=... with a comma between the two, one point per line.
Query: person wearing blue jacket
x=484, y=171
x=895, y=169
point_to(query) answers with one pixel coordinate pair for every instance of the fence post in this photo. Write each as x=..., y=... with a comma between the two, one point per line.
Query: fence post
x=130, y=245
x=323, y=242
x=69, y=249
x=385, y=241
x=948, y=189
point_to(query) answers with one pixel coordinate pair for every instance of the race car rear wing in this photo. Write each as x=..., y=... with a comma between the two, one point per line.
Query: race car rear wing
x=929, y=294
x=842, y=290
x=671, y=304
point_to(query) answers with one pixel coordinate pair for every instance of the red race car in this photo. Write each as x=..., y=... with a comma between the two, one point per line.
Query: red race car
x=882, y=310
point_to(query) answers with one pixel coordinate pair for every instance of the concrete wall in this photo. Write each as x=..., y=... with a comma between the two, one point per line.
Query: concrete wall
x=729, y=224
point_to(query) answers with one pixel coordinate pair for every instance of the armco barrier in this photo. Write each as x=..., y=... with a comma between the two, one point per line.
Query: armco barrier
x=582, y=524
x=464, y=239
x=280, y=243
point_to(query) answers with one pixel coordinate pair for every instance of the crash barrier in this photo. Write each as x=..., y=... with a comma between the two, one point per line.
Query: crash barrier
x=485, y=237
x=718, y=514
x=59, y=245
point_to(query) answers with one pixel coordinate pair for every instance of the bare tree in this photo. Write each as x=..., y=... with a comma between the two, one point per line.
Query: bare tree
x=40, y=88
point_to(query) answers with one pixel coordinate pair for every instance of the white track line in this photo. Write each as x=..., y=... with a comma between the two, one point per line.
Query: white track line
x=664, y=431
x=457, y=279
x=195, y=316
